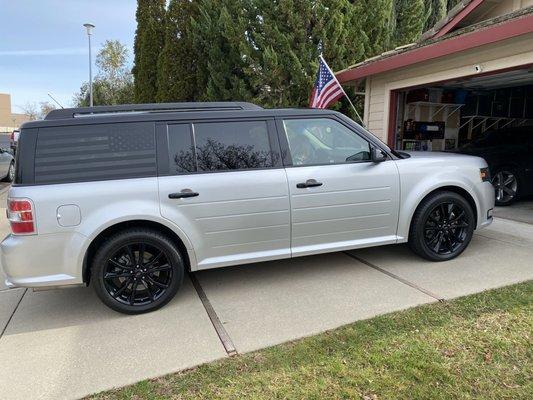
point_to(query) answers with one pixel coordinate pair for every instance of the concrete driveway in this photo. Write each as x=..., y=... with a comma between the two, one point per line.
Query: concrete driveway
x=66, y=344
x=521, y=211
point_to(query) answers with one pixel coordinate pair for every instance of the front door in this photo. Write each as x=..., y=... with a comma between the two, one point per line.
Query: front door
x=340, y=199
x=226, y=189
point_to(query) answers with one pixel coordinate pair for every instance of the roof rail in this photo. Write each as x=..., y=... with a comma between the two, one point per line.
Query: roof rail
x=65, y=113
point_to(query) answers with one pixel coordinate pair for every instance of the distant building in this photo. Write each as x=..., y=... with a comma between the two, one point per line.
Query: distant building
x=9, y=120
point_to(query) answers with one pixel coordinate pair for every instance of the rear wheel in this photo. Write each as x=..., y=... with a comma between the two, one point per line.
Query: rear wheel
x=505, y=182
x=442, y=226
x=137, y=271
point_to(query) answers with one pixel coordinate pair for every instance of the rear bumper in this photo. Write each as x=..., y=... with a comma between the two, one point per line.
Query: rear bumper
x=42, y=260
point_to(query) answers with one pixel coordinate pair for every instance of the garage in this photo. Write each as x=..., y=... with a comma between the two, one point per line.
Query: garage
x=448, y=115
x=466, y=86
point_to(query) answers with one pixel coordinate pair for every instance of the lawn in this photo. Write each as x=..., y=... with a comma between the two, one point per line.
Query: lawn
x=478, y=346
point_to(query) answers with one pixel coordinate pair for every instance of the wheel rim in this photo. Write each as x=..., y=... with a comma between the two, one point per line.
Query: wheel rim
x=137, y=274
x=505, y=185
x=446, y=228
x=11, y=172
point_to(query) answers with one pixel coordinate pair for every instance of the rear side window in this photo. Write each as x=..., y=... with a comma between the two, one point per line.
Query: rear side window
x=95, y=152
x=181, y=149
x=219, y=146
x=232, y=145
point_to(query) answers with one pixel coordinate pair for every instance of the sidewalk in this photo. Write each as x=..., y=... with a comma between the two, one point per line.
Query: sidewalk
x=66, y=344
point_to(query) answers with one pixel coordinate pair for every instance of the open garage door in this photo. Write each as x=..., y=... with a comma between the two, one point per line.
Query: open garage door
x=490, y=116
x=447, y=115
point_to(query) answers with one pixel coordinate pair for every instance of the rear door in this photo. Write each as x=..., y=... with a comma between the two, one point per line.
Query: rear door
x=225, y=187
x=339, y=198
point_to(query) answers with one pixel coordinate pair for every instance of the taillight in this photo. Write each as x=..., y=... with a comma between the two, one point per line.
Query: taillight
x=21, y=216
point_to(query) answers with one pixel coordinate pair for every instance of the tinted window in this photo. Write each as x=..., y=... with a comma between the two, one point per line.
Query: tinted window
x=181, y=154
x=324, y=141
x=95, y=152
x=232, y=145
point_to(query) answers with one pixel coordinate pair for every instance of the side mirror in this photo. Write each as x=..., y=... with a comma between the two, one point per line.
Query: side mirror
x=378, y=155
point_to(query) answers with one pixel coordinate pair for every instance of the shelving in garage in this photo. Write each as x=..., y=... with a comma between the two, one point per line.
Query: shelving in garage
x=446, y=115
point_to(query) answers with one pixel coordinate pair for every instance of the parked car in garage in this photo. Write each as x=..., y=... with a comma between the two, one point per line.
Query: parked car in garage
x=509, y=153
x=127, y=198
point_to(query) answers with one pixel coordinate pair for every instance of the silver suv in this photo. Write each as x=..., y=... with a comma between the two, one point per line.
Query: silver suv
x=127, y=198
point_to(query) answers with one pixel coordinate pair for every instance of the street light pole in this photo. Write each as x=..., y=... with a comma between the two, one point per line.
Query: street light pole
x=89, y=28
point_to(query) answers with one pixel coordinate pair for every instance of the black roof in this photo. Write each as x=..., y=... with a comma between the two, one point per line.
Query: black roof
x=163, y=111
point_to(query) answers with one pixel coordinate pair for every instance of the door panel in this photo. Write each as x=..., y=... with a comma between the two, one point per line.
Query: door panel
x=340, y=199
x=237, y=205
x=234, y=219
x=356, y=204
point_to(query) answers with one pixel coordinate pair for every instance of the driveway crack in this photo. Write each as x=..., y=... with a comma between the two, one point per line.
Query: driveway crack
x=398, y=278
x=223, y=335
x=13, y=313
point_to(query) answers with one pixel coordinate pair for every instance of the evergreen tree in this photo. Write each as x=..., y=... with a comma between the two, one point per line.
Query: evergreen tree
x=284, y=64
x=220, y=37
x=149, y=38
x=343, y=42
x=409, y=21
x=437, y=10
x=264, y=51
x=379, y=25
x=452, y=4
x=340, y=32
x=176, y=72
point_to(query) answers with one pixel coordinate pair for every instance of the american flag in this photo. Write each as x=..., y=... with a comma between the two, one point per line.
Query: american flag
x=327, y=89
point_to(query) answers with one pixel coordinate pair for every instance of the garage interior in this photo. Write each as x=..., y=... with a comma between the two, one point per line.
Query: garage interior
x=446, y=115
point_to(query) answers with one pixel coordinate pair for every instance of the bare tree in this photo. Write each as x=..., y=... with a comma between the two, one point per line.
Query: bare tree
x=31, y=110
x=37, y=111
x=45, y=108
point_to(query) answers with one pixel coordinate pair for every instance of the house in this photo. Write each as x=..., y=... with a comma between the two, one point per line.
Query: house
x=470, y=73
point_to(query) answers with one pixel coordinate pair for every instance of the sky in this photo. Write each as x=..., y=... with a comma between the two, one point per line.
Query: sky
x=44, y=45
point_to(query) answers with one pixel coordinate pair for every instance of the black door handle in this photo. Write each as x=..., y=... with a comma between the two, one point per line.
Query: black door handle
x=183, y=194
x=308, y=183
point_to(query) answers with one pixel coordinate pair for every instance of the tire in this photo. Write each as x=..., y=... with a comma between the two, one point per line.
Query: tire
x=506, y=185
x=153, y=277
x=442, y=226
x=10, y=173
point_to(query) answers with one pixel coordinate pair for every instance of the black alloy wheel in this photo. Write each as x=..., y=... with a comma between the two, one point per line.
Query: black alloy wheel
x=442, y=226
x=505, y=184
x=137, y=271
x=137, y=274
x=446, y=228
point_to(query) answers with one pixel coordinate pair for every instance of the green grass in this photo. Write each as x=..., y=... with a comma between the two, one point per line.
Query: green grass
x=478, y=346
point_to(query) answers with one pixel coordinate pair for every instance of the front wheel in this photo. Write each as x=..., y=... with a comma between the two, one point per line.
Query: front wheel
x=137, y=271
x=442, y=226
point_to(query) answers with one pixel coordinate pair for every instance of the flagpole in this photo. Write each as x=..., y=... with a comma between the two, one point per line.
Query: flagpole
x=343, y=91
x=356, y=113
